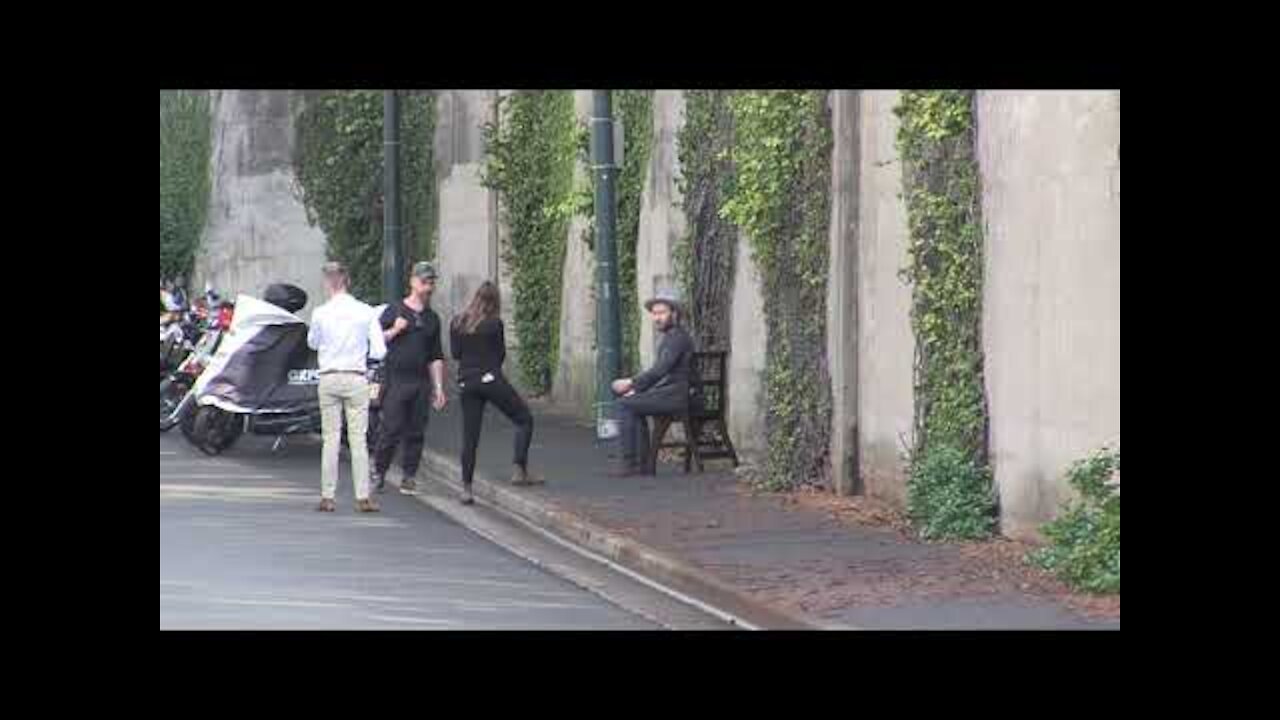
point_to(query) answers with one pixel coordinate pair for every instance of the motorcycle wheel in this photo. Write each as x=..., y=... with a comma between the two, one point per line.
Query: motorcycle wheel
x=172, y=391
x=215, y=430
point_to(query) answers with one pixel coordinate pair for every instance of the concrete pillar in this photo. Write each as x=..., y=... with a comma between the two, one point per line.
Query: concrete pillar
x=257, y=231
x=574, y=382
x=842, y=295
x=747, y=336
x=1050, y=166
x=885, y=344
x=466, y=250
x=662, y=222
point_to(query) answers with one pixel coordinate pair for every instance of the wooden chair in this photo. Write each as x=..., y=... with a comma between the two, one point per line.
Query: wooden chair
x=706, y=412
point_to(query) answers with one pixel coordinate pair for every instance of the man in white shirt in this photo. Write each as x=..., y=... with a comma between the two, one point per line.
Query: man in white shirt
x=344, y=332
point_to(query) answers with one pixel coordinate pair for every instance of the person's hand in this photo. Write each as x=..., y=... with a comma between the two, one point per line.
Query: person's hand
x=622, y=386
x=399, y=325
x=440, y=399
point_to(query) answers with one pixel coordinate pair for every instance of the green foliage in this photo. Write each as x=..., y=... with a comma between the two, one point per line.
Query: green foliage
x=943, y=201
x=185, y=147
x=340, y=174
x=951, y=496
x=703, y=258
x=1084, y=542
x=530, y=163
x=635, y=109
x=780, y=198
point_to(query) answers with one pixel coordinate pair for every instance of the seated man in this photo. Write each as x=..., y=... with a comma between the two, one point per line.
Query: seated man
x=661, y=390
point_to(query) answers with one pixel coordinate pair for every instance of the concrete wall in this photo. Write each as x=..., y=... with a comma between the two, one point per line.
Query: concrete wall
x=257, y=231
x=885, y=343
x=1051, y=202
x=662, y=222
x=466, y=251
x=574, y=382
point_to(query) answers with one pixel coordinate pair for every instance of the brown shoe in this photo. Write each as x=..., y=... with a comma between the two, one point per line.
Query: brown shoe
x=367, y=506
x=521, y=477
x=327, y=505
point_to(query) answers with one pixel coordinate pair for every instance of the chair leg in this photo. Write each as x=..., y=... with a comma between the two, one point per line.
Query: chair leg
x=660, y=427
x=724, y=432
x=695, y=434
x=688, y=445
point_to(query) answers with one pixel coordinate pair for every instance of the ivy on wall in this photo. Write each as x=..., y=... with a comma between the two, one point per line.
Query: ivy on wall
x=635, y=109
x=339, y=167
x=531, y=151
x=703, y=259
x=950, y=492
x=780, y=197
x=186, y=145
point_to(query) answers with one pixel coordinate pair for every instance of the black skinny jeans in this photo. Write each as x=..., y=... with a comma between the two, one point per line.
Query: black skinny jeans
x=504, y=397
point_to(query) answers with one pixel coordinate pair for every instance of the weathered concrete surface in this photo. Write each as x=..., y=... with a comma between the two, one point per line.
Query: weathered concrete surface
x=662, y=222
x=466, y=252
x=257, y=231
x=747, y=336
x=573, y=386
x=1051, y=200
x=885, y=345
x=842, y=293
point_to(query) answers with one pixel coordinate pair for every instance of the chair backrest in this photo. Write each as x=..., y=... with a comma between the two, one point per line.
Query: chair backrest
x=707, y=383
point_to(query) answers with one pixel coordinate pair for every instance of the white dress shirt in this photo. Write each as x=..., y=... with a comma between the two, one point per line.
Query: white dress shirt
x=344, y=331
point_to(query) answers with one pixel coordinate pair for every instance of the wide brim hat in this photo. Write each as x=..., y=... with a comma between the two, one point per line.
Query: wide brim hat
x=666, y=296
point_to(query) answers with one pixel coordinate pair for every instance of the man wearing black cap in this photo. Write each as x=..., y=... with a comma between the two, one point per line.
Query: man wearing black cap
x=412, y=332
x=662, y=389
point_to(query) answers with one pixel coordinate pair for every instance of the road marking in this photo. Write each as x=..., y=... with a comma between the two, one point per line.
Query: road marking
x=277, y=603
x=420, y=621
x=215, y=477
x=167, y=452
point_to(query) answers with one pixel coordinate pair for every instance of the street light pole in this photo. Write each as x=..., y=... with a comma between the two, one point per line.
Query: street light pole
x=608, y=322
x=392, y=252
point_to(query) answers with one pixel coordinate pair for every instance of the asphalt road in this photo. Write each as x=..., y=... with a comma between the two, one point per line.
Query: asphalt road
x=241, y=547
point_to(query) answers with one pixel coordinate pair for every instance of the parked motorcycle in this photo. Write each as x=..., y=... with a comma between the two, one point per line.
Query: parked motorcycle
x=263, y=379
x=176, y=398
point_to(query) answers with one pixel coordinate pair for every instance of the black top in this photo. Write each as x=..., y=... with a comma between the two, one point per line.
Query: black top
x=479, y=352
x=673, y=367
x=411, y=352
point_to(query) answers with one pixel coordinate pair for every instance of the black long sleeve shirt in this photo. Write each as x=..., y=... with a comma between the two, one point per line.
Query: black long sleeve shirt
x=478, y=352
x=673, y=366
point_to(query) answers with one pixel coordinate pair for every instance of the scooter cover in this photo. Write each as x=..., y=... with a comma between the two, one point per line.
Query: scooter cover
x=263, y=364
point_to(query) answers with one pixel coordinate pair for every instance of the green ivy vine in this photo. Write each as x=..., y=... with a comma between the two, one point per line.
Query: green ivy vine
x=531, y=151
x=1084, y=542
x=780, y=197
x=950, y=491
x=186, y=144
x=635, y=109
x=702, y=260
x=339, y=169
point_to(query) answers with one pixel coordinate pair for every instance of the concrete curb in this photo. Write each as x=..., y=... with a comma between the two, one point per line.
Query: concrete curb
x=627, y=553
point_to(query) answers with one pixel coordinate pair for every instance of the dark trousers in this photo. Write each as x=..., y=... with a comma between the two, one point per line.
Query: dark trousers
x=404, y=418
x=504, y=397
x=634, y=411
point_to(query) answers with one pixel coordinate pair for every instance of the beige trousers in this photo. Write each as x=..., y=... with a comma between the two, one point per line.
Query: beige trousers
x=339, y=393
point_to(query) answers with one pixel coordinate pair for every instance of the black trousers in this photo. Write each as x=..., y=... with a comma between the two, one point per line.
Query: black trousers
x=504, y=397
x=405, y=412
x=634, y=411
